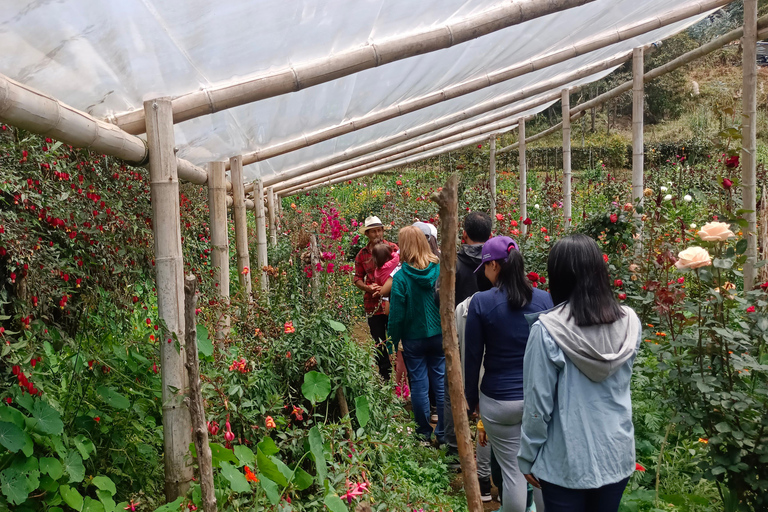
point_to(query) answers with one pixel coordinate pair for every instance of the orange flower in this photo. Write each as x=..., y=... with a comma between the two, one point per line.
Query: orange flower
x=703, y=441
x=270, y=422
x=249, y=475
x=289, y=327
x=245, y=271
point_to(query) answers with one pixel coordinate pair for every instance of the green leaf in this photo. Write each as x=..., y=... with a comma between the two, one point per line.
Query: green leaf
x=334, y=503
x=74, y=467
x=220, y=454
x=318, y=453
x=723, y=263
x=106, y=500
x=91, y=505
x=337, y=326
x=14, y=485
x=301, y=479
x=71, y=497
x=48, y=418
x=362, y=410
x=741, y=246
x=12, y=415
x=244, y=455
x=171, y=507
x=84, y=446
x=105, y=484
x=723, y=427
x=268, y=446
x=237, y=480
x=11, y=436
x=269, y=468
x=52, y=467
x=270, y=487
x=48, y=484
x=204, y=343
x=113, y=398
x=316, y=387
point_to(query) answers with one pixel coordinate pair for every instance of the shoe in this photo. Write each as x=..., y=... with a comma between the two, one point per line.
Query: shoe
x=452, y=455
x=485, y=489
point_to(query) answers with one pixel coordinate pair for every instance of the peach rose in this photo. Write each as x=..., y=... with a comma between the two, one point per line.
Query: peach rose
x=693, y=257
x=716, y=232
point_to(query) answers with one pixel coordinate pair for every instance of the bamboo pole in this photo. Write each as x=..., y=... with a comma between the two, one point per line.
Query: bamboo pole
x=492, y=175
x=272, y=216
x=374, y=53
x=749, y=139
x=638, y=110
x=169, y=266
x=566, y=108
x=241, y=225
x=249, y=204
x=549, y=131
x=545, y=86
x=219, y=243
x=196, y=403
x=447, y=200
x=586, y=45
x=261, y=235
x=523, y=170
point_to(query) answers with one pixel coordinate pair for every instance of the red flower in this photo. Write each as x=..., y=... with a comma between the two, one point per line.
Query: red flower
x=543, y=230
x=533, y=277
x=97, y=419
x=639, y=467
x=499, y=216
x=513, y=223
x=764, y=286
x=398, y=182
x=135, y=299
x=618, y=283
x=751, y=309
x=622, y=296
x=479, y=146
x=527, y=221
x=213, y=428
x=249, y=475
x=732, y=162
x=288, y=328
x=727, y=184
x=614, y=218
x=605, y=258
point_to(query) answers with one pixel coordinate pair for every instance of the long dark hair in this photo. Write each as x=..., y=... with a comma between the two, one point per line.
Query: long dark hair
x=578, y=274
x=512, y=280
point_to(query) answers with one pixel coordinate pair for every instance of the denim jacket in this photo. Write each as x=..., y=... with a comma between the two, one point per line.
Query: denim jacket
x=576, y=433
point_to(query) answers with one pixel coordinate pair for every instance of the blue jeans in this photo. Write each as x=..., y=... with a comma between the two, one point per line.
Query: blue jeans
x=604, y=499
x=425, y=361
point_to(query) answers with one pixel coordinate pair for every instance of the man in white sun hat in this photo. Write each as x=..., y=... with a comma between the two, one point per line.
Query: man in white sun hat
x=365, y=266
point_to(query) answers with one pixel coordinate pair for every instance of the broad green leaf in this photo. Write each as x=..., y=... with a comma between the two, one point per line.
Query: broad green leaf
x=301, y=479
x=11, y=436
x=106, y=500
x=268, y=446
x=270, y=487
x=105, y=484
x=113, y=398
x=12, y=415
x=204, y=343
x=362, y=410
x=14, y=485
x=48, y=418
x=269, y=469
x=337, y=326
x=741, y=246
x=84, y=446
x=316, y=387
x=334, y=503
x=48, y=484
x=220, y=454
x=723, y=427
x=316, y=447
x=244, y=455
x=174, y=506
x=74, y=467
x=237, y=480
x=91, y=505
x=52, y=467
x=71, y=497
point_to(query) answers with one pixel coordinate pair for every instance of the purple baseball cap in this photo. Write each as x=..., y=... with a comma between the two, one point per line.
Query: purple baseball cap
x=497, y=248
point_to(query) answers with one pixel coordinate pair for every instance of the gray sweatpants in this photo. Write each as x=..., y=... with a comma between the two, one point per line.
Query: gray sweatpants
x=503, y=422
x=482, y=453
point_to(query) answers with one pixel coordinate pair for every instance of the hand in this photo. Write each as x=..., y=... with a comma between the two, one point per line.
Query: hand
x=482, y=438
x=374, y=288
x=533, y=481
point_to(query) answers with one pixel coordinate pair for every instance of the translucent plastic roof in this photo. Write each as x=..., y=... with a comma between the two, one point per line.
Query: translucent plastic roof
x=106, y=57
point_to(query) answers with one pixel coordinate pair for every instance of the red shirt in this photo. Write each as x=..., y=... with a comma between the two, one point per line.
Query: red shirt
x=365, y=267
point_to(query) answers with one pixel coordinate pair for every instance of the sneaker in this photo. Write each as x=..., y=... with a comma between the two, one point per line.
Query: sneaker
x=485, y=489
x=452, y=454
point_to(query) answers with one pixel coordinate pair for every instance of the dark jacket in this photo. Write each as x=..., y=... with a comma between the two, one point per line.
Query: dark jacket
x=467, y=282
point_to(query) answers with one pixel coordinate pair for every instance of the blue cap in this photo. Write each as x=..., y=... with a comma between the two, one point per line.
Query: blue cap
x=497, y=248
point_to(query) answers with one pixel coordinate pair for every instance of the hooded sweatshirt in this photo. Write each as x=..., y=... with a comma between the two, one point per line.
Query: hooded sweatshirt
x=413, y=311
x=468, y=282
x=577, y=427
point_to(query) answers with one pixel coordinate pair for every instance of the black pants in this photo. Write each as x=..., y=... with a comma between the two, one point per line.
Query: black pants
x=378, y=326
x=603, y=499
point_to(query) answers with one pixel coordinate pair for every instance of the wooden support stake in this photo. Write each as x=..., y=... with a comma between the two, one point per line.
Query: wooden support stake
x=169, y=266
x=638, y=108
x=217, y=206
x=241, y=225
x=566, y=107
x=522, y=165
x=448, y=202
x=272, y=214
x=261, y=235
x=196, y=408
x=492, y=176
x=749, y=139
x=314, y=254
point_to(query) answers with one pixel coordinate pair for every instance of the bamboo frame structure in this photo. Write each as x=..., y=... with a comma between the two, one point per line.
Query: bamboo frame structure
x=638, y=110
x=169, y=266
x=522, y=166
x=549, y=131
x=749, y=139
x=217, y=208
x=261, y=235
x=492, y=174
x=565, y=104
x=589, y=44
x=241, y=225
x=272, y=216
x=375, y=53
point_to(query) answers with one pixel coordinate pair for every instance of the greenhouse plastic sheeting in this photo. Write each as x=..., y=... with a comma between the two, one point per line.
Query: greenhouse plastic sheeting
x=106, y=57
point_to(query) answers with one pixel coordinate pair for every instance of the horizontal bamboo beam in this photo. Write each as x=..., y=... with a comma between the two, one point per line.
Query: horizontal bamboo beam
x=586, y=45
x=249, y=205
x=549, y=131
x=374, y=53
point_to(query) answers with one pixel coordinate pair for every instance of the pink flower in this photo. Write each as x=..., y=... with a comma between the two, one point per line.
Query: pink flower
x=751, y=309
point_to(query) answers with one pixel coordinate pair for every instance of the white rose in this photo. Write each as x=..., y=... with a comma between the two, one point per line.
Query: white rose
x=687, y=198
x=536, y=206
x=663, y=189
x=668, y=197
x=716, y=232
x=693, y=226
x=693, y=257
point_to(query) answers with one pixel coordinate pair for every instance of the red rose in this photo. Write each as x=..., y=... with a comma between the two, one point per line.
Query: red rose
x=527, y=221
x=751, y=309
x=622, y=296
x=727, y=184
x=614, y=218
x=618, y=283
x=732, y=162
x=533, y=277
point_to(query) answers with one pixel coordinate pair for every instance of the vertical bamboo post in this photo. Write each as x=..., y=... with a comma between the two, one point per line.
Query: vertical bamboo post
x=261, y=233
x=749, y=139
x=196, y=408
x=523, y=174
x=272, y=216
x=169, y=266
x=565, y=101
x=492, y=176
x=217, y=206
x=638, y=107
x=447, y=200
x=241, y=224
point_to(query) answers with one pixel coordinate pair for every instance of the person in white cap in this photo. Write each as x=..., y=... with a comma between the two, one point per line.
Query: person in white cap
x=364, y=279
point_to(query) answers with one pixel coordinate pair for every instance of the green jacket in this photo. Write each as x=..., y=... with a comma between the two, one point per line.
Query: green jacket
x=413, y=311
